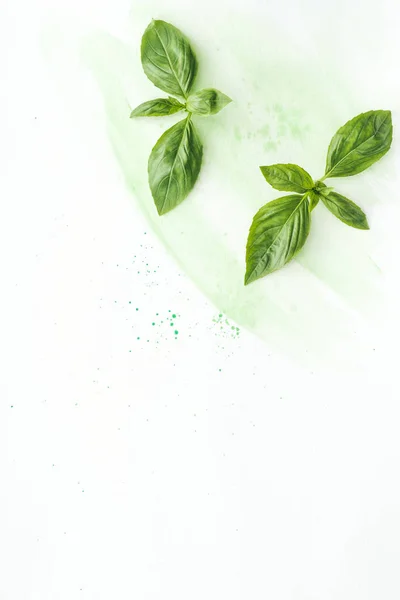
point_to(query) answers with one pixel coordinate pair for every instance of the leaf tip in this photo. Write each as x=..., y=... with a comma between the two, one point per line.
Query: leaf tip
x=249, y=277
x=157, y=22
x=366, y=226
x=265, y=170
x=163, y=208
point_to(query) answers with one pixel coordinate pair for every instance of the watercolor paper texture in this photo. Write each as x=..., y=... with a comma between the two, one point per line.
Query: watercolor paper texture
x=165, y=431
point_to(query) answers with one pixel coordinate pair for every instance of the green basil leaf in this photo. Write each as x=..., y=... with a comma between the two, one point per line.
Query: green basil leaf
x=167, y=58
x=313, y=198
x=345, y=210
x=278, y=231
x=359, y=143
x=207, y=102
x=160, y=107
x=288, y=178
x=174, y=165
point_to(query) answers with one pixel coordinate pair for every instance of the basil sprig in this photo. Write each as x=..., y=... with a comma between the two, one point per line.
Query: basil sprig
x=280, y=228
x=175, y=161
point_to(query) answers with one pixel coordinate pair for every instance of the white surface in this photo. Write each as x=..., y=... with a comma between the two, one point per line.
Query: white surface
x=202, y=467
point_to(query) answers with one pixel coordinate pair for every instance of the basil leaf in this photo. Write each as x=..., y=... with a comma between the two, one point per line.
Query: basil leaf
x=174, y=165
x=160, y=107
x=345, y=210
x=207, y=102
x=359, y=143
x=313, y=198
x=167, y=58
x=278, y=231
x=288, y=178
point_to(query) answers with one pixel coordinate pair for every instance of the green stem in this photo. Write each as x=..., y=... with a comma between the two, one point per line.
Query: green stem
x=311, y=199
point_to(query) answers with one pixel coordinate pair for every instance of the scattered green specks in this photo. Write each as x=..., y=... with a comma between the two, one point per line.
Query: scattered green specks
x=224, y=328
x=282, y=123
x=162, y=325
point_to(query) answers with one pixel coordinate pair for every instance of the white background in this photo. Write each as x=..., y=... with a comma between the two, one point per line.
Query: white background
x=199, y=465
